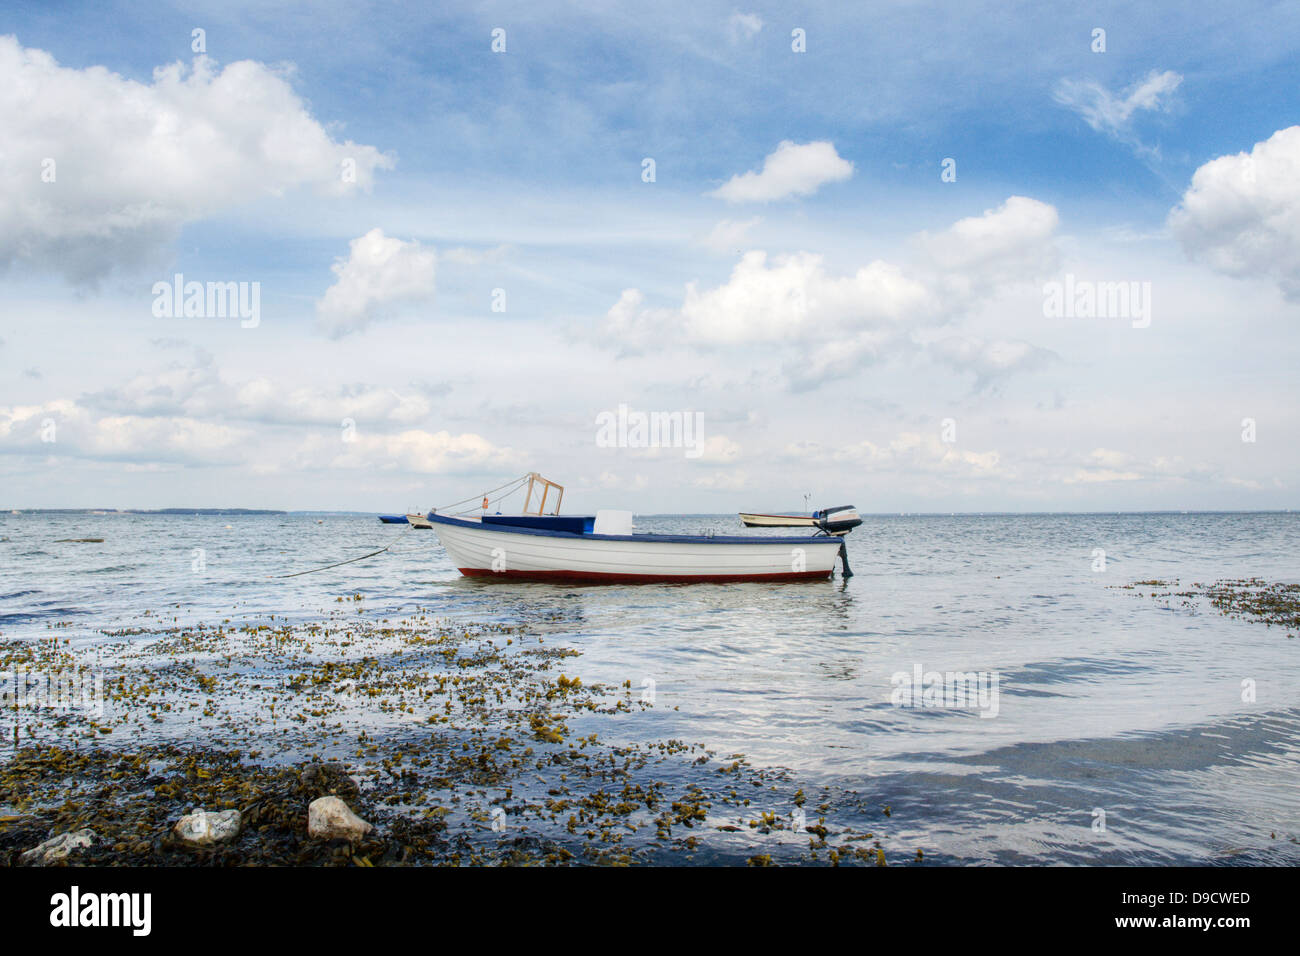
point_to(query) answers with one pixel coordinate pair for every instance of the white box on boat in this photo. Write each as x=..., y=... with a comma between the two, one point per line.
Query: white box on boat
x=613, y=522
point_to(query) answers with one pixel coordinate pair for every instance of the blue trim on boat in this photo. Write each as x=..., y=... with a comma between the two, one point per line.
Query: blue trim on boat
x=665, y=538
x=578, y=524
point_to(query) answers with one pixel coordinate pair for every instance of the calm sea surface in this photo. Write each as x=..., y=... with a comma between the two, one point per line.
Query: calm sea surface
x=1106, y=699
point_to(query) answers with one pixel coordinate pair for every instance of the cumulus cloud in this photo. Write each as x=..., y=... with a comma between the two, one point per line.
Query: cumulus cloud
x=989, y=360
x=743, y=26
x=1017, y=228
x=789, y=299
x=1241, y=214
x=1107, y=465
x=719, y=448
x=727, y=234
x=65, y=428
x=1104, y=465
x=842, y=356
x=413, y=450
x=379, y=273
x=608, y=480
x=829, y=326
x=69, y=429
x=1002, y=245
x=794, y=298
x=907, y=452
x=464, y=256
x=200, y=391
x=101, y=172
x=630, y=327
x=1113, y=114
x=192, y=415
x=722, y=481
x=792, y=170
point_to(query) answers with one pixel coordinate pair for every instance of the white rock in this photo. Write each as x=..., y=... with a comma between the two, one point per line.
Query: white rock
x=203, y=829
x=57, y=849
x=329, y=818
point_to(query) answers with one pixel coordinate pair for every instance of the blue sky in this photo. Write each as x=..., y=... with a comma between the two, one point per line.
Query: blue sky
x=823, y=319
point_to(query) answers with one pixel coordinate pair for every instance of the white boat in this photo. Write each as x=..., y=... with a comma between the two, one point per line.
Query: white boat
x=779, y=521
x=603, y=549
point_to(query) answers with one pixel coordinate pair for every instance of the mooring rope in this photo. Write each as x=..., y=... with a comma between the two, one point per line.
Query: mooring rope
x=513, y=481
x=517, y=484
x=340, y=564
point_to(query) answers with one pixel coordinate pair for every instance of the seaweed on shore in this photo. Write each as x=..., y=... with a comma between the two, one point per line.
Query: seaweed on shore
x=1270, y=603
x=460, y=744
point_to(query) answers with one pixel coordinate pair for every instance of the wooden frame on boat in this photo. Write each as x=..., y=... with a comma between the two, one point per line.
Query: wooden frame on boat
x=547, y=485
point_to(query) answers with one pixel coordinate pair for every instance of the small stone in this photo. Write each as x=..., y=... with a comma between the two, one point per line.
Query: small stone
x=201, y=828
x=329, y=818
x=56, y=850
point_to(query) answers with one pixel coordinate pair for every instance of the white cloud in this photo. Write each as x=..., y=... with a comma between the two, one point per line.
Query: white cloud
x=609, y=481
x=413, y=450
x=906, y=453
x=80, y=433
x=722, y=481
x=727, y=234
x=1241, y=215
x=1088, y=476
x=1108, y=113
x=200, y=391
x=133, y=162
x=830, y=326
x=378, y=273
x=792, y=170
x=264, y=400
x=1009, y=243
x=631, y=328
x=463, y=256
x=719, y=448
x=793, y=298
x=1107, y=465
x=83, y=432
x=989, y=360
x=744, y=26
x=842, y=356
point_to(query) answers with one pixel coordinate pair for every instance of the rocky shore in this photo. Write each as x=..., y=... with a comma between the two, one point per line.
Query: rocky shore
x=355, y=741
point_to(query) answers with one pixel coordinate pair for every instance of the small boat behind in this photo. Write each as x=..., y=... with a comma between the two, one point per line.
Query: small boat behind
x=797, y=520
x=419, y=522
x=393, y=519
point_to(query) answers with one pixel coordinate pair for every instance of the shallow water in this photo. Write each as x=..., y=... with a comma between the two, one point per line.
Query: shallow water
x=1106, y=700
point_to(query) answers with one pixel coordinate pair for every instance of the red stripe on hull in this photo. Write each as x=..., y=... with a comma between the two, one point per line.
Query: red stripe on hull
x=603, y=577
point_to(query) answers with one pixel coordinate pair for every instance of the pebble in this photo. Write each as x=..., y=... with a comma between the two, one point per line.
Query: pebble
x=201, y=828
x=57, y=849
x=329, y=818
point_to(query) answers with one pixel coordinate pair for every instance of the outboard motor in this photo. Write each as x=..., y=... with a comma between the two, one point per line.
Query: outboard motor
x=839, y=521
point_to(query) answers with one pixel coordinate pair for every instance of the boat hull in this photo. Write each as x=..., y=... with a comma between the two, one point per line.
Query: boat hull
x=479, y=550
